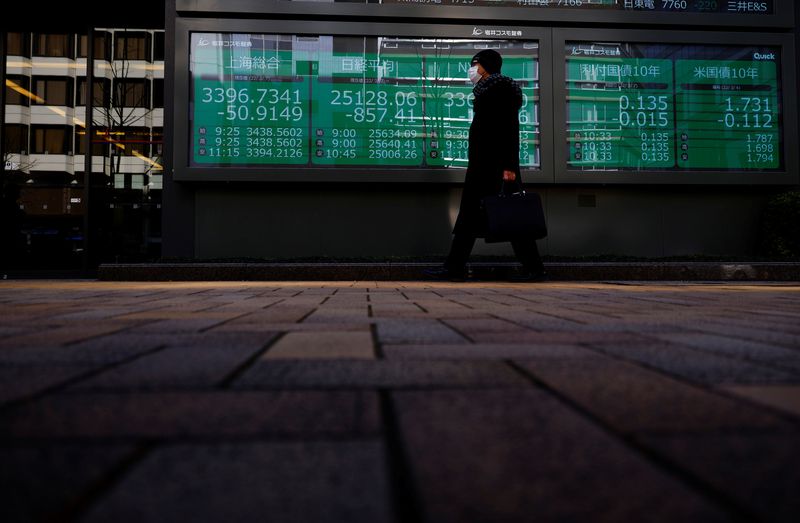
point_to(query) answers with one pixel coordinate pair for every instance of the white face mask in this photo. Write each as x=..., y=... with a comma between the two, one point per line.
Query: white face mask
x=474, y=75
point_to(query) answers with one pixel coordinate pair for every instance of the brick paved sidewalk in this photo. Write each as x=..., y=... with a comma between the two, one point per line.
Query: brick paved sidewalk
x=399, y=402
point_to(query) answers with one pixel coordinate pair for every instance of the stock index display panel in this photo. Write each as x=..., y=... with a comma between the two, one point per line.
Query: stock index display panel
x=328, y=101
x=660, y=107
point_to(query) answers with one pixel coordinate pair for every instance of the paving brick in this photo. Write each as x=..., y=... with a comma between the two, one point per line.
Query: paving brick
x=695, y=365
x=415, y=331
x=398, y=310
x=193, y=414
x=102, y=350
x=187, y=325
x=293, y=327
x=63, y=335
x=755, y=351
x=379, y=373
x=484, y=327
x=451, y=310
x=759, y=471
x=95, y=313
x=486, y=351
x=754, y=333
x=521, y=456
x=538, y=321
x=317, y=345
x=329, y=314
x=173, y=368
x=631, y=399
x=276, y=314
x=15, y=330
x=18, y=382
x=555, y=337
x=289, y=482
x=782, y=397
x=45, y=482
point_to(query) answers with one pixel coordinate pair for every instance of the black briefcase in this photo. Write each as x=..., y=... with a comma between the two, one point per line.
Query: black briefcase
x=514, y=216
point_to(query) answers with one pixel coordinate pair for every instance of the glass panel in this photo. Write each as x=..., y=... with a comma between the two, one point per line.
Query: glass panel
x=18, y=44
x=132, y=93
x=16, y=138
x=136, y=141
x=53, y=91
x=45, y=229
x=17, y=90
x=101, y=42
x=101, y=92
x=51, y=139
x=53, y=45
x=99, y=144
x=132, y=46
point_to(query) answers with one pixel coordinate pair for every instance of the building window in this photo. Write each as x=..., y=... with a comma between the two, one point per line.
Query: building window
x=17, y=90
x=132, y=46
x=158, y=46
x=18, y=44
x=99, y=142
x=158, y=92
x=53, y=90
x=51, y=139
x=16, y=137
x=136, y=141
x=102, y=46
x=102, y=92
x=132, y=93
x=54, y=45
x=158, y=141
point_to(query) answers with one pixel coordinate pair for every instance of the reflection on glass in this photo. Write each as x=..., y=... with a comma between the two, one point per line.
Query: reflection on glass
x=52, y=91
x=53, y=45
x=51, y=139
x=44, y=181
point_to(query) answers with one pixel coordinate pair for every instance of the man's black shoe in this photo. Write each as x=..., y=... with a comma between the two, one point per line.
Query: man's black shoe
x=441, y=273
x=530, y=277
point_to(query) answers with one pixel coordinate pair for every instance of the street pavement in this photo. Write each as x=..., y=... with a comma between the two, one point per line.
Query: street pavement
x=399, y=402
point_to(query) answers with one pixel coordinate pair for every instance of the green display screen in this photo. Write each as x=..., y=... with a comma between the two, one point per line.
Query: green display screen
x=385, y=102
x=670, y=107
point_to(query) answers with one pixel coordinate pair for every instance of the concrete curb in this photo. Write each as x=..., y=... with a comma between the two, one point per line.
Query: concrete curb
x=639, y=271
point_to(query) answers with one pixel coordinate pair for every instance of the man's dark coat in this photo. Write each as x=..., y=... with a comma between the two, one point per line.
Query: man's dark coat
x=493, y=148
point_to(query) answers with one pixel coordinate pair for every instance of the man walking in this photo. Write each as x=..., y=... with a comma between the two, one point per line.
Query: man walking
x=493, y=166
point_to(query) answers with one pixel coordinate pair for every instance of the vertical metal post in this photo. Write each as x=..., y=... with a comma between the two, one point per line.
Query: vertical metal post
x=87, y=162
x=178, y=207
x=3, y=50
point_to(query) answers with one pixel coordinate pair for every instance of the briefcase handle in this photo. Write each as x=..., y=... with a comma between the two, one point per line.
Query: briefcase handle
x=503, y=192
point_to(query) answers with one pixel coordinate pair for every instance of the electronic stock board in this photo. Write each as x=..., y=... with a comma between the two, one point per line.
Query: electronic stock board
x=673, y=107
x=266, y=99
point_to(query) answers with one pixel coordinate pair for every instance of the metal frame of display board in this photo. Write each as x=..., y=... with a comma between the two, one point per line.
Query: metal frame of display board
x=345, y=173
x=783, y=16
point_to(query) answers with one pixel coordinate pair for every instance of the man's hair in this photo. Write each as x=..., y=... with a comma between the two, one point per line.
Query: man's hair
x=490, y=59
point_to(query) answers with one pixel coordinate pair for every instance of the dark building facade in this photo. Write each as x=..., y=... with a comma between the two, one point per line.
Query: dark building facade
x=290, y=129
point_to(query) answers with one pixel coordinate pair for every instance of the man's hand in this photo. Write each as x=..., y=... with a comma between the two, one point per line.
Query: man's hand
x=509, y=176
